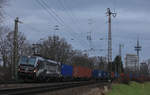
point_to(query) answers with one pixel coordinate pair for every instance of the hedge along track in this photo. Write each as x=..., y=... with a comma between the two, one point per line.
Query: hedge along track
x=44, y=88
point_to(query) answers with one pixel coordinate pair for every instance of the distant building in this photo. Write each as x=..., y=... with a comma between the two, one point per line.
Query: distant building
x=131, y=62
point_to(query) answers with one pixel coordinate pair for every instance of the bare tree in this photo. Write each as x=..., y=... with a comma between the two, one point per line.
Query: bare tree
x=6, y=50
x=56, y=49
x=2, y=3
x=82, y=60
x=3, y=45
x=144, y=68
x=6, y=46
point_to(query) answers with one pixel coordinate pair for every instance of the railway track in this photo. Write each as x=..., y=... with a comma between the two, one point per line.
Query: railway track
x=10, y=82
x=44, y=88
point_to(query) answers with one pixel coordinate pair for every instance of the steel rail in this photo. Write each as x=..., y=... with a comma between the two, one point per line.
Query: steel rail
x=43, y=88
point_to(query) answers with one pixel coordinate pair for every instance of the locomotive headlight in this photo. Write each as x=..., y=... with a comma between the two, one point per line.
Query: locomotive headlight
x=35, y=71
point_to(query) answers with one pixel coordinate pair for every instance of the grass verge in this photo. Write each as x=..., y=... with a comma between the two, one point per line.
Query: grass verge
x=133, y=88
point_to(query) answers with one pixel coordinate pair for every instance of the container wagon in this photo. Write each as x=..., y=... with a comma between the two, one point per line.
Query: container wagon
x=82, y=72
x=97, y=74
x=112, y=75
x=66, y=72
x=105, y=75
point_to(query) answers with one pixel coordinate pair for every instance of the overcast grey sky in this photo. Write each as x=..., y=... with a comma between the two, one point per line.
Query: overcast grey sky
x=132, y=21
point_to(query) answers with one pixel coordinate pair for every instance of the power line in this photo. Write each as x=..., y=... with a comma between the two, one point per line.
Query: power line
x=46, y=9
x=27, y=25
x=35, y=29
x=60, y=18
x=63, y=22
x=52, y=11
x=73, y=16
x=66, y=7
x=69, y=12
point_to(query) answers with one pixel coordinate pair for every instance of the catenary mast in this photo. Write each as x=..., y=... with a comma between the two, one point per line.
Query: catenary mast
x=109, y=14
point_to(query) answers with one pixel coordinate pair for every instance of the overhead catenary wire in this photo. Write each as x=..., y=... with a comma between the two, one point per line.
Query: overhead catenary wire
x=53, y=11
x=45, y=8
x=42, y=4
x=70, y=14
x=64, y=3
x=60, y=18
x=49, y=11
x=28, y=26
x=66, y=25
x=114, y=5
x=74, y=34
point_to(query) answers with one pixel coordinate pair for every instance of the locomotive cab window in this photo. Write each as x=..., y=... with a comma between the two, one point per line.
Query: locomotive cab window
x=31, y=60
x=27, y=60
x=23, y=60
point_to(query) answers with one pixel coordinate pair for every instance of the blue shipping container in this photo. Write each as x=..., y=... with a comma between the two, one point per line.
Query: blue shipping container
x=130, y=75
x=105, y=74
x=66, y=70
x=116, y=75
x=97, y=73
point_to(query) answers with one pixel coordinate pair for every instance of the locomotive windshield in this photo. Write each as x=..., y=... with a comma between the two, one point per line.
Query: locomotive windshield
x=32, y=60
x=23, y=60
x=27, y=60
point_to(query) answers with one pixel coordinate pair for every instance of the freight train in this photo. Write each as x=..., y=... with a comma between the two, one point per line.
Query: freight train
x=38, y=68
x=41, y=69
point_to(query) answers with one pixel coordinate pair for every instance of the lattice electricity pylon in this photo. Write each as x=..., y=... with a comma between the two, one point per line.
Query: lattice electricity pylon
x=109, y=13
x=138, y=48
